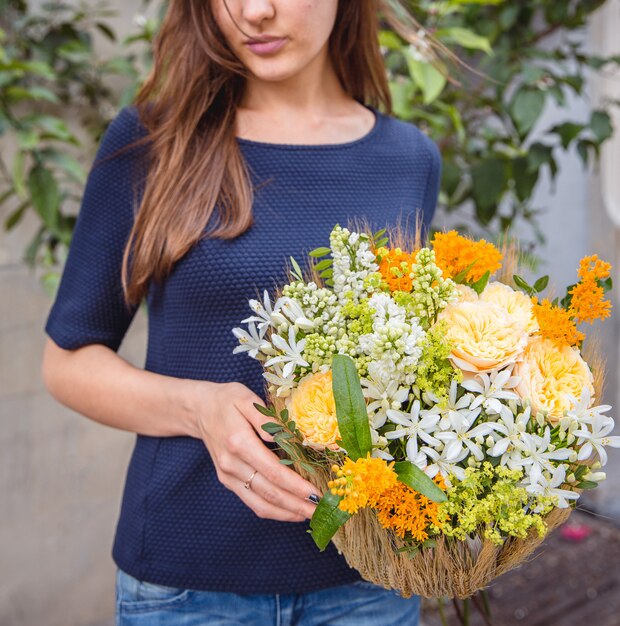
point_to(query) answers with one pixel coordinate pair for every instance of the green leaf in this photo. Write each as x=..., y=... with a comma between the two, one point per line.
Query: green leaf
x=379, y=233
x=601, y=126
x=350, y=407
x=481, y=283
x=538, y=155
x=381, y=242
x=324, y=264
x=15, y=217
x=412, y=476
x=525, y=179
x=19, y=176
x=327, y=519
x=272, y=428
x=519, y=282
x=427, y=78
x=541, y=284
x=587, y=484
x=286, y=461
x=70, y=165
x=462, y=275
x=106, y=30
x=489, y=182
x=264, y=410
x=526, y=108
x=319, y=252
x=45, y=194
x=568, y=131
x=465, y=38
x=296, y=269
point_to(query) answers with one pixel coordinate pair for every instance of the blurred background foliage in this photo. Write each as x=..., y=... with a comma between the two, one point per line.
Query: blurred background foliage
x=57, y=96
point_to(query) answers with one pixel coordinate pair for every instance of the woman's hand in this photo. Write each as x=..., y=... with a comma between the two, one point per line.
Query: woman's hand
x=230, y=427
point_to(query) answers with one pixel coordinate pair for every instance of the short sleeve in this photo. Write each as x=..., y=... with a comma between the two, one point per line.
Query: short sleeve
x=89, y=307
x=432, y=182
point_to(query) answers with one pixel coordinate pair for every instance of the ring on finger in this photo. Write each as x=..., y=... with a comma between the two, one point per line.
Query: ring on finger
x=248, y=483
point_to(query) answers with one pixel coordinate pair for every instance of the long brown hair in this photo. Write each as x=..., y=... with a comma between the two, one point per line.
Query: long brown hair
x=188, y=105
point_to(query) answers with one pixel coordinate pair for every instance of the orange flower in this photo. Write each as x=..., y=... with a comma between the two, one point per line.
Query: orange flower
x=455, y=253
x=592, y=266
x=556, y=324
x=362, y=482
x=408, y=512
x=395, y=267
x=588, y=297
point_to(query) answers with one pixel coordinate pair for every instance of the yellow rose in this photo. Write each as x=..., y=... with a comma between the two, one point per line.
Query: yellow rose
x=548, y=372
x=483, y=335
x=515, y=303
x=313, y=409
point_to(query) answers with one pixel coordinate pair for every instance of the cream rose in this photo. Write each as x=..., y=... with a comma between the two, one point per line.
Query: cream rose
x=483, y=335
x=515, y=303
x=548, y=372
x=466, y=294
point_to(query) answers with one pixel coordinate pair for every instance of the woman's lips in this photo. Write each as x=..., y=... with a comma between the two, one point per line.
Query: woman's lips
x=266, y=47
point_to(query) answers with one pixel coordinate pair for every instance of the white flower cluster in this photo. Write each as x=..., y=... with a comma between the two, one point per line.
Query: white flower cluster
x=394, y=344
x=354, y=262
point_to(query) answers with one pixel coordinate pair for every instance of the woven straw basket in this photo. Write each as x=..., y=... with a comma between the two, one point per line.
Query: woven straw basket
x=454, y=569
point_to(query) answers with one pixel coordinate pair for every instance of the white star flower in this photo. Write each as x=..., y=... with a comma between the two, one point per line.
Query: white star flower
x=292, y=352
x=462, y=436
x=252, y=341
x=264, y=314
x=537, y=456
x=509, y=446
x=293, y=311
x=581, y=410
x=491, y=388
x=283, y=384
x=441, y=464
x=550, y=487
x=413, y=428
x=384, y=397
x=596, y=438
x=452, y=407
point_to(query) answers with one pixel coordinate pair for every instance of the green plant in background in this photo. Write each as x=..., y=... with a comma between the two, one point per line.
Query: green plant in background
x=528, y=54
x=487, y=122
x=50, y=74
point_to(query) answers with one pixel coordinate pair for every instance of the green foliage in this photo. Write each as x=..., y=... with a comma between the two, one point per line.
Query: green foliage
x=412, y=476
x=526, y=54
x=48, y=67
x=350, y=408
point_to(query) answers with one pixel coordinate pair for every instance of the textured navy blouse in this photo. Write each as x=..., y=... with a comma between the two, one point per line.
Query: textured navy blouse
x=178, y=525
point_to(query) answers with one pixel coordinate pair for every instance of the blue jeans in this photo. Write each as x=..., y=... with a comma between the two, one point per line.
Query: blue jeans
x=358, y=604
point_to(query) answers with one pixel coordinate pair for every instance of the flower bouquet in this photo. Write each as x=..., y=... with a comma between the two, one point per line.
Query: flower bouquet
x=449, y=419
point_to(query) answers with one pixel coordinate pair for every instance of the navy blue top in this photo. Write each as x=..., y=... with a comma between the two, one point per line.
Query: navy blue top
x=178, y=525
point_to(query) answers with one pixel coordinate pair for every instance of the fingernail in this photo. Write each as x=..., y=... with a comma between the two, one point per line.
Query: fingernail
x=314, y=498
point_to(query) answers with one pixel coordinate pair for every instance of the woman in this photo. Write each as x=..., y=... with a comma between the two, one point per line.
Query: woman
x=257, y=131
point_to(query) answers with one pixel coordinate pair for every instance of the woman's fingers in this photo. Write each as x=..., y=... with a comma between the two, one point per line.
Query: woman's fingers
x=264, y=498
x=264, y=509
x=273, y=495
x=268, y=464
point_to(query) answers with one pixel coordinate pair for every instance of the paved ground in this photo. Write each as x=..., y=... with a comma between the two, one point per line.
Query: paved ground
x=571, y=581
